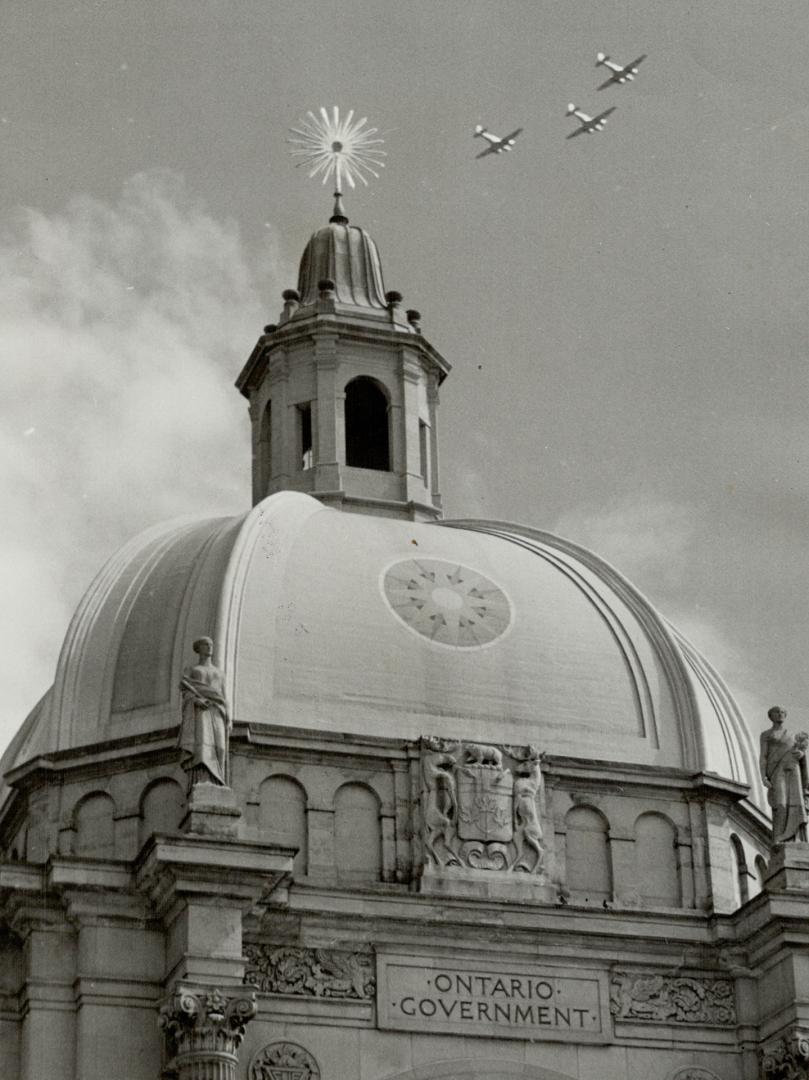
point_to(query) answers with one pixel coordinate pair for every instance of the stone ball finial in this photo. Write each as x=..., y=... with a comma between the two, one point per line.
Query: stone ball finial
x=291, y=294
x=414, y=318
x=393, y=298
x=270, y=328
x=326, y=285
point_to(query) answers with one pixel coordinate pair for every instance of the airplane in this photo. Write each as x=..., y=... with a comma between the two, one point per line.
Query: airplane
x=619, y=74
x=497, y=145
x=588, y=123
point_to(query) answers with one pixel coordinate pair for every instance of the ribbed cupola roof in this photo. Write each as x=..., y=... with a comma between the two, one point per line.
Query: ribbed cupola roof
x=347, y=256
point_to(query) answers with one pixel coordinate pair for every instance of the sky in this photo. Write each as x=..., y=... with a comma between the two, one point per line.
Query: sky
x=625, y=313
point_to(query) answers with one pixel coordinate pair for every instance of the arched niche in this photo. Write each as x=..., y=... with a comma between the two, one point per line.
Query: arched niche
x=741, y=885
x=587, y=854
x=282, y=816
x=479, y=1069
x=357, y=834
x=761, y=871
x=162, y=807
x=657, y=867
x=94, y=826
x=265, y=448
x=367, y=425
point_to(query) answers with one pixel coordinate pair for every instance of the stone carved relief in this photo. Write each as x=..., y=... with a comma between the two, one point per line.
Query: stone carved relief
x=324, y=973
x=787, y=1058
x=481, y=806
x=283, y=1061
x=674, y=999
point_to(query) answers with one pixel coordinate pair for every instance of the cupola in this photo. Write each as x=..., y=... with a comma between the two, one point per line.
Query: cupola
x=343, y=390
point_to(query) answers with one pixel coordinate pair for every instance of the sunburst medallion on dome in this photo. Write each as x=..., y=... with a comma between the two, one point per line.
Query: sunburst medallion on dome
x=446, y=602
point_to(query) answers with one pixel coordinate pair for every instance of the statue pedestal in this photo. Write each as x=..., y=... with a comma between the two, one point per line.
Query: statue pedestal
x=788, y=868
x=212, y=809
x=486, y=884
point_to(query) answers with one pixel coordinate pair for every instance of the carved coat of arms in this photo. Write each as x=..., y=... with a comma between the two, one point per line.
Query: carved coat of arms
x=481, y=806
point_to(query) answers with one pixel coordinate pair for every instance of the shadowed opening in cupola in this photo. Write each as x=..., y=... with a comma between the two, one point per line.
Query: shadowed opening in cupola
x=367, y=430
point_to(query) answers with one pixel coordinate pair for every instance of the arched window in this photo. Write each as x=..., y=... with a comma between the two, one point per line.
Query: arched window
x=366, y=421
x=95, y=827
x=357, y=836
x=282, y=816
x=161, y=808
x=741, y=885
x=761, y=871
x=265, y=448
x=657, y=870
x=587, y=854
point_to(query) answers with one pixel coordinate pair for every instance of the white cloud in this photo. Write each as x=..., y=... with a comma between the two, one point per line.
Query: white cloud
x=122, y=328
x=653, y=543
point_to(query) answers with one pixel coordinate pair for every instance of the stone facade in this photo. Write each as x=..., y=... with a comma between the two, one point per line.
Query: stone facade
x=403, y=953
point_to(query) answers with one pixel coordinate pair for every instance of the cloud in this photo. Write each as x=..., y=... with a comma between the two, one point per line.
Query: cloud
x=654, y=543
x=644, y=538
x=122, y=328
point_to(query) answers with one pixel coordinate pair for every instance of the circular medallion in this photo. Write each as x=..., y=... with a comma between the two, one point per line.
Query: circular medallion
x=283, y=1061
x=447, y=603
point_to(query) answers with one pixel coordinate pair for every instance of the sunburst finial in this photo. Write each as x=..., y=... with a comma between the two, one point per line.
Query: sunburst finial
x=343, y=149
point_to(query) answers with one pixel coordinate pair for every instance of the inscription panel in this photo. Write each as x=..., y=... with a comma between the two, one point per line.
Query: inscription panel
x=511, y=1001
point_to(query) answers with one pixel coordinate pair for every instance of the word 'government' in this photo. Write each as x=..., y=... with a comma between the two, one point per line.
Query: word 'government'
x=508, y=999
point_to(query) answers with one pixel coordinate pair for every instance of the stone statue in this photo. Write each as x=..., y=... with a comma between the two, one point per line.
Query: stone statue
x=439, y=800
x=205, y=726
x=783, y=769
x=527, y=827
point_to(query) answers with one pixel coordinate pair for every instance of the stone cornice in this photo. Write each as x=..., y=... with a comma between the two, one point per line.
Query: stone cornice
x=172, y=869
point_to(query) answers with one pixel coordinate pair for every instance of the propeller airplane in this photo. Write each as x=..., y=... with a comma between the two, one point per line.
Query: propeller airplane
x=588, y=124
x=496, y=144
x=619, y=74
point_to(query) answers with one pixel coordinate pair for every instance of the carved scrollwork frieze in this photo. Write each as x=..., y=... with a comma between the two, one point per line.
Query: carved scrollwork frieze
x=321, y=973
x=673, y=999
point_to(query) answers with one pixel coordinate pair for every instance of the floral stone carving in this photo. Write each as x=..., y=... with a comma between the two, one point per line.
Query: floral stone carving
x=787, y=1058
x=675, y=999
x=283, y=1061
x=324, y=973
x=481, y=806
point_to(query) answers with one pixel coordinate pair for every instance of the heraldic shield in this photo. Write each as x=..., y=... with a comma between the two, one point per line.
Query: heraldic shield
x=485, y=803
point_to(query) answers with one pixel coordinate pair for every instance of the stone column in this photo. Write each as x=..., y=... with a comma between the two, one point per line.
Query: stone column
x=203, y=1030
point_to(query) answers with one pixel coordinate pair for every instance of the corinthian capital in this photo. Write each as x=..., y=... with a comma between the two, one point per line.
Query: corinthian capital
x=786, y=1058
x=202, y=1025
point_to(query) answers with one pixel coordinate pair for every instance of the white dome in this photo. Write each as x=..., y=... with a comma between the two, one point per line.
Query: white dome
x=381, y=627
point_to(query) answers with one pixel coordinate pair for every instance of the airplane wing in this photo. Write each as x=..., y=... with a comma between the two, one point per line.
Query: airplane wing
x=611, y=81
x=602, y=116
x=635, y=63
x=513, y=135
x=489, y=150
x=579, y=131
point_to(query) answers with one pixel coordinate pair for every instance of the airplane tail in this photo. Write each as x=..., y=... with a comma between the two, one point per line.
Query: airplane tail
x=570, y=109
x=479, y=129
x=601, y=58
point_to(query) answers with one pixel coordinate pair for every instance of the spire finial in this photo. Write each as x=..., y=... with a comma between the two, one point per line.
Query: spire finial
x=343, y=149
x=339, y=215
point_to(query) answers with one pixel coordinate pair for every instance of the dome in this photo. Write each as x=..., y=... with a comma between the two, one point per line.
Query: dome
x=346, y=255
x=376, y=626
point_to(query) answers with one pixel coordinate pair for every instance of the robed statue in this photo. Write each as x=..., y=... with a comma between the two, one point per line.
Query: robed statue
x=783, y=770
x=205, y=727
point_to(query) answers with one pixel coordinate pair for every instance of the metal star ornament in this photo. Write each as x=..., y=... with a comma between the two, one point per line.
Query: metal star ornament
x=331, y=147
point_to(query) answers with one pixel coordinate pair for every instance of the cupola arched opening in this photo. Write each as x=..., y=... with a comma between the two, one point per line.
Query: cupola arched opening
x=367, y=425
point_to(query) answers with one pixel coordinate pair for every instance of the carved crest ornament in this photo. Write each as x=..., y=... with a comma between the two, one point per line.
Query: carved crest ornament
x=481, y=806
x=787, y=1058
x=283, y=1061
